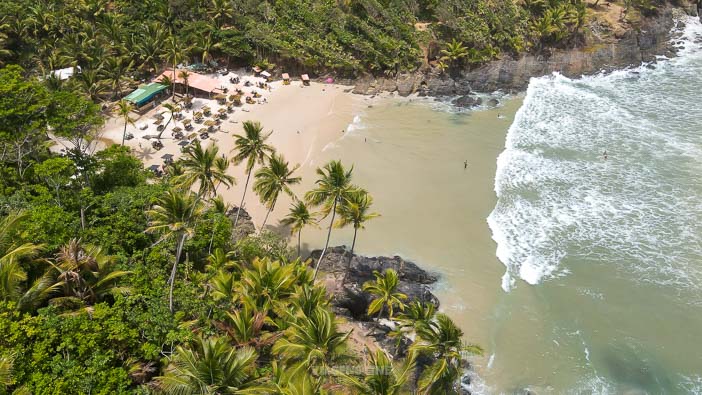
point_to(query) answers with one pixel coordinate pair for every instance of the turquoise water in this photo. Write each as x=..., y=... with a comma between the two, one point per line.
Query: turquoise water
x=599, y=226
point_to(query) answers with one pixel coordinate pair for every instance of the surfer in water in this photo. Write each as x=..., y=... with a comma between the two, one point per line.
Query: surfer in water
x=604, y=154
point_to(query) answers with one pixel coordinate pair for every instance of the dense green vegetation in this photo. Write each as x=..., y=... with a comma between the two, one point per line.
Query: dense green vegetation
x=113, y=281
x=117, y=42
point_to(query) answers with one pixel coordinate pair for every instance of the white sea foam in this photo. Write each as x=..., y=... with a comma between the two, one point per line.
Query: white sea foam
x=558, y=198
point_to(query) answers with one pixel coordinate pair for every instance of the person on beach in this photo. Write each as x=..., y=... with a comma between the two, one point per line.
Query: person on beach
x=465, y=165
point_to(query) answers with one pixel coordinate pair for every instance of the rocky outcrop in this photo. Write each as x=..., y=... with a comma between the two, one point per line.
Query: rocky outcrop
x=637, y=45
x=345, y=281
x=244, y=227
x=467, y=101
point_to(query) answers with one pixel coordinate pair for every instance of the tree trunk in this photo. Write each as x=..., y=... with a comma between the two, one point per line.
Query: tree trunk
x=174, y=79
x=171, y=280
x=124, y=132
x=324, y=251
x=241, y=205
x=209, y=249
x=266, y=219
x=353, y=244
x=299, y=241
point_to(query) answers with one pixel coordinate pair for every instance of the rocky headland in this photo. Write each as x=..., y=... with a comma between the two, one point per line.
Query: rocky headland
x=601, y=51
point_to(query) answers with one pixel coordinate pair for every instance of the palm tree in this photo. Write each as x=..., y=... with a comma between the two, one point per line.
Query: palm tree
x=333, y=187
x=185, y=76
x=442, y=341
x=87, y=274
x=313, y=341
x=219, y=10
x=174, y=53
x=11, y=273
x=454, y=51
x=205, y=45
x=172, y=110
x=384, y=288
x=273, y=179
x=6, y=362
x=174, y=216
x=206, y=167
x=299, y=217
x=355, y=211
x=124, y=108
x=384, y=378
x=252, y=148
x=210, y=366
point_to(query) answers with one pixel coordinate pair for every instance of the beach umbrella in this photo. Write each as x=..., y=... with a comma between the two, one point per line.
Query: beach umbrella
x=202, y=130
x=187, y=121
x=210, y=122
x=177, y=129
x=167, y=157
x=183, y=143
x=155, y=168
x=222, y=110
x=192, y=135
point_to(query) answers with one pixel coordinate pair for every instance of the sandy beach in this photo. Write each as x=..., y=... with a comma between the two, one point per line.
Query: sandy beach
x=303, y=120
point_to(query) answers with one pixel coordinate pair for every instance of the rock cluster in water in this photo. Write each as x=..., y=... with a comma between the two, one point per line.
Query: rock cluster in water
x=349, y=278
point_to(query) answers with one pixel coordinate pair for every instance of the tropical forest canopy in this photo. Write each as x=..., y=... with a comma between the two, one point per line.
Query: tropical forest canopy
x=115, y=38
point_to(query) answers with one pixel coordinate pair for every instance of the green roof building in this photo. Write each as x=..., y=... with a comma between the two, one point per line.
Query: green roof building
x=144, y=93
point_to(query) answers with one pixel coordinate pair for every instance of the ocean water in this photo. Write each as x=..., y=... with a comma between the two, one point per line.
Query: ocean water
x=576, y=274
x=599, y=226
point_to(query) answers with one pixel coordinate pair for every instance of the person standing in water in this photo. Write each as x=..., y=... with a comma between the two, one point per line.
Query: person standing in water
x=605, y=155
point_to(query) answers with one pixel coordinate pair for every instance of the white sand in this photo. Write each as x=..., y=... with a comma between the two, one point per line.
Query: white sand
x=303, y=120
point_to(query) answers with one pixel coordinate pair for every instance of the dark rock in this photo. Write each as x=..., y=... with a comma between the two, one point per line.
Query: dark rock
x=244, y=227
x=467, y=101
x=493, y=102
x=349, y=279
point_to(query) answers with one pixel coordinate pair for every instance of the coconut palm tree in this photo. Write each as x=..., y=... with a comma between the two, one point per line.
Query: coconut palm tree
x=210, y=366
x=11, y=254
x=384, y=288
x=299, y=217
x=205, y=45
x=251, y=148
x=384, y=379
x=205, y=167
x=220, y=10
x=174, y=53
x=313, y=341
x=271, y=180
x=355, y=211
x=185, y=76
x=455, y=51
x=174, y=217
x=86, y=273
x=333, y=187
x=124, y=108
x=172, y=110
x=442, y=341
x=6, y=362
x=268, y=283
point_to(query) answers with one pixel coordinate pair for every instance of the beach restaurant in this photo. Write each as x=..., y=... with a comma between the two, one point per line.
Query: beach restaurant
x=197, y=83
x=143, y=95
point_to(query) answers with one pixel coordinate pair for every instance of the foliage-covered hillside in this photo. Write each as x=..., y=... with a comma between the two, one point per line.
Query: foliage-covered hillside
x=114, y=39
